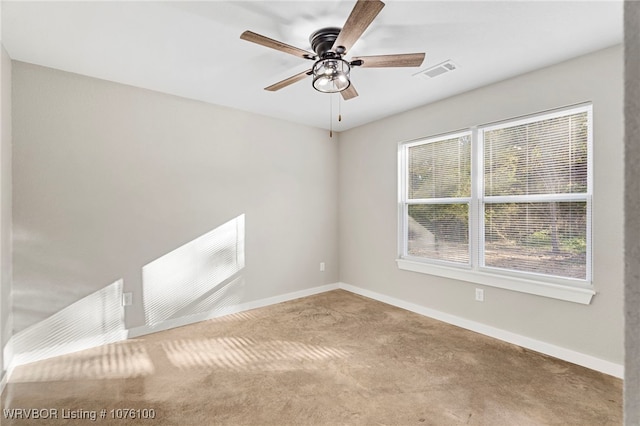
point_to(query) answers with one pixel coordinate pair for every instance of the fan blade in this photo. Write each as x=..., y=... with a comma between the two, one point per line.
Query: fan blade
x=349, y=93
x=287, y=81
x=382, y=61
x=277, y=45
x=363, y=13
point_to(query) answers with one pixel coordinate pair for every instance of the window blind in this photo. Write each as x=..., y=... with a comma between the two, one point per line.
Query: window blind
x=535, y=200
x=438, y=199
x=542, y=157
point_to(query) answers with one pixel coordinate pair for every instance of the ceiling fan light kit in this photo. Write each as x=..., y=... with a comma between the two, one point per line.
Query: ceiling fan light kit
x=331, y=73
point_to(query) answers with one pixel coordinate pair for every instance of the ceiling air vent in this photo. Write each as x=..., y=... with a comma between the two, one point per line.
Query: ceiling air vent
x=437, y=70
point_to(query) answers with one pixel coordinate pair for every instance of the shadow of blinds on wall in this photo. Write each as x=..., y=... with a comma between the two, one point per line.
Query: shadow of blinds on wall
x=181, y=282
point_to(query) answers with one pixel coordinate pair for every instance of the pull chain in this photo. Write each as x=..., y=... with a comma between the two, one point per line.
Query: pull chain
x=330, y=116
x=339, y=108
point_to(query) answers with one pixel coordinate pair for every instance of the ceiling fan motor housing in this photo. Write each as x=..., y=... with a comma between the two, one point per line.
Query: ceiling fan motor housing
x=322, y=41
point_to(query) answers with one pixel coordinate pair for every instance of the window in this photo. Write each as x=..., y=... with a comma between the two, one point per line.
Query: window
x=505, y=204
x=439, y=198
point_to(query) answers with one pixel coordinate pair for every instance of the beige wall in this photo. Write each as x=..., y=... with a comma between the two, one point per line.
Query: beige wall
x=108, y=178
x=368, y=206
x=5, y=204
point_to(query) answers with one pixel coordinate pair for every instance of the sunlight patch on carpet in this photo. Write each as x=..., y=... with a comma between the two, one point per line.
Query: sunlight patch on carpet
x=246, y=354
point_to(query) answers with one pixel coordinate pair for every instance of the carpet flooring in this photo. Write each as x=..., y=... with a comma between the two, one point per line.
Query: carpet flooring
x=335, y=358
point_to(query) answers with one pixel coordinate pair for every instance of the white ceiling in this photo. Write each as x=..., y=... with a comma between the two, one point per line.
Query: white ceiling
x=193, y=49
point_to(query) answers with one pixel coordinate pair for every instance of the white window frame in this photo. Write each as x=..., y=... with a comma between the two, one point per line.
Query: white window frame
x=569, y=289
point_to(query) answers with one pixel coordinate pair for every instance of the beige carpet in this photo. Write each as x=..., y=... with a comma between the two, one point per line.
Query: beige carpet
x=330, y=359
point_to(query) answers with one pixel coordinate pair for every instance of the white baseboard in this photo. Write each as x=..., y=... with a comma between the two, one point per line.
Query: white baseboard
x=64, y=348
x=228, y=310
x=7, y=356
x=3, y=381
x=7, y=353
x=598, y=364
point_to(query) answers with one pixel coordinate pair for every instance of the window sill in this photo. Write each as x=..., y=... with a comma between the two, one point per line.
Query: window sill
x=539, y=288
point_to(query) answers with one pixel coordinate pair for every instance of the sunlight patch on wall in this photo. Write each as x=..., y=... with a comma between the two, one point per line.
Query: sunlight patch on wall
x=116, y=361
x=245, y=354
x=96, y=319
x=184, y=281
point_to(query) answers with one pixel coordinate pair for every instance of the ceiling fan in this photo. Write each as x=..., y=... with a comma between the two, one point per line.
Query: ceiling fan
x=330, y=71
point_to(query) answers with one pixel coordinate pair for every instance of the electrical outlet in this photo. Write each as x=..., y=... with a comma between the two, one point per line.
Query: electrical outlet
x=479, y=295
x=321, y=266
x=127, y=299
